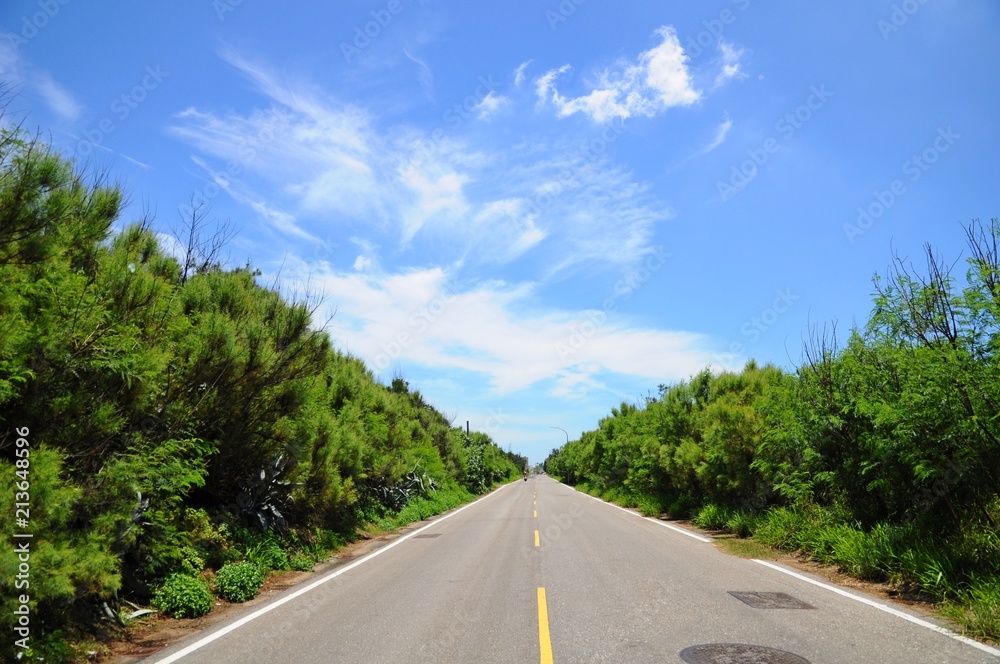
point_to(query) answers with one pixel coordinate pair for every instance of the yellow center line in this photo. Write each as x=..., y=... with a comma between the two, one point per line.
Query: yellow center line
x=536, y=514
x=536, y=539
x=544, y=642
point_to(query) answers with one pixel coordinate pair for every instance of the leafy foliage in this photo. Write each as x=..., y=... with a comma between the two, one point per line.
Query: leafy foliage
x=239, y=582
x=183, y=596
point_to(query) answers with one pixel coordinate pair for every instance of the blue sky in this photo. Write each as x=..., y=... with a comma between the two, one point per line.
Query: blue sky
x=534, y=211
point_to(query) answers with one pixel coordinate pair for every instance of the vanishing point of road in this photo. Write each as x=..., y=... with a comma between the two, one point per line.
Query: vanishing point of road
x=538, y=572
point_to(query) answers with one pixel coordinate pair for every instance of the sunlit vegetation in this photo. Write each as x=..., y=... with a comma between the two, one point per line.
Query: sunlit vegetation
x=881, y=456
x=183, y=417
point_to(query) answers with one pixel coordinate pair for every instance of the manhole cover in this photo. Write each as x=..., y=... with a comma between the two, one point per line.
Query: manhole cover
x=427, y=536
x=770, y=600
x=738, y=653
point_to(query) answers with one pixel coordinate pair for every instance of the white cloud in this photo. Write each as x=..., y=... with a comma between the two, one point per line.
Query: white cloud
x=316, y=152
x=720, y=136
x=658, y=80
x=424, y=76
x=729, y=60
x=56, y=96
x=574, y=384
x=16, y=71
x=666, y=71
x=437, y=196
x=489, y=105
x=545, y=84
x=488, y=329
x=519, y=72
x=171, y=246
x=511, y=225
x=308, y=164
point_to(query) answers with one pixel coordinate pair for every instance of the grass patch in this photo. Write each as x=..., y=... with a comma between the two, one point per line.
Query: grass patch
x=442, y=500
x=746, y=548
x=712, y=517
x=977, y=609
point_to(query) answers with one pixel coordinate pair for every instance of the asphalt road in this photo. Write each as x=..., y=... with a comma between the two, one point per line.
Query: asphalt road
x=583, y=581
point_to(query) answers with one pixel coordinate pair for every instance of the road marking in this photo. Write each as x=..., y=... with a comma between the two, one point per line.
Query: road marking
x=680, y=530
x=536, y=538
x=315, y=584
x=648, y=518
x=536, y=514
x=544, y=642
x=883, y=607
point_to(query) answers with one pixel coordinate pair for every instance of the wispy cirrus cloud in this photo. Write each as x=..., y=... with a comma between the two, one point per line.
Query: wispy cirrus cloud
x=729, y=61
x=519, y=72
x=720, y=136
x=311, y=161
x=18, y=72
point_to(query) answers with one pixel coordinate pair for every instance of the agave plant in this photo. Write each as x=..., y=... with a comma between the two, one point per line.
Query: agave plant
x=261, y=498
x=395, y=496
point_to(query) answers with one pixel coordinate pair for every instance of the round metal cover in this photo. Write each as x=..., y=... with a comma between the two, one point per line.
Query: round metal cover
x=738, y=653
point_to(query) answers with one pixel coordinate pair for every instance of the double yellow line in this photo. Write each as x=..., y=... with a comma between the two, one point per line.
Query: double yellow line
x=544, y=640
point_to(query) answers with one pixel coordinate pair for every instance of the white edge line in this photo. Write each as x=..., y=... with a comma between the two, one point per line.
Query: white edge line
x=647, y=518
x=887, y=609
x=680, y=530
x=288, y=598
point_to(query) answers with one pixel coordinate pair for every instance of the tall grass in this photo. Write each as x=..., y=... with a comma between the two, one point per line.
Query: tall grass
x=420, y=508
x=977, y=608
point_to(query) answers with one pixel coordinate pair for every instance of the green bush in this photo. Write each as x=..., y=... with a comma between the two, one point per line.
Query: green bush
x=649, y=505
x=978, y=608
x=712, y=517
x=183, y=596
x=781, y=528
x=239, y=582
x=301, y=562
x=268, y=555
x=420, y=508
x=741, y=523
